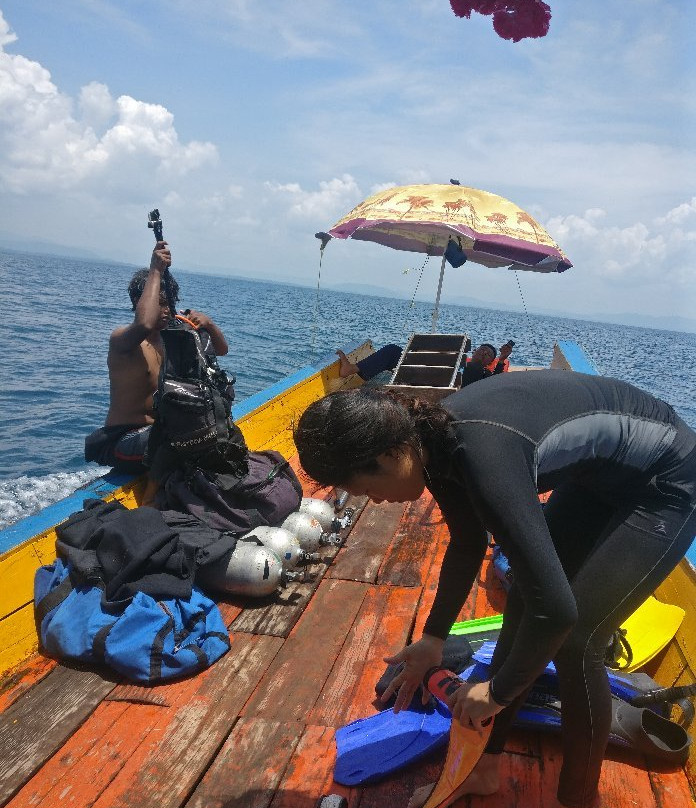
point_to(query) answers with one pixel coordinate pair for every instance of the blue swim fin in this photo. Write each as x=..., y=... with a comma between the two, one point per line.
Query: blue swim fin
x=370, y=748
x=625, y=686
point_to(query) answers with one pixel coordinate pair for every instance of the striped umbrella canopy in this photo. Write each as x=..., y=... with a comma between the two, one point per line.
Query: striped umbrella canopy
x=459, y=223
x=489, y=229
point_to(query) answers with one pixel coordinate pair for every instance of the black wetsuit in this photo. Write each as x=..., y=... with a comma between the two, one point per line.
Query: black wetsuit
x=622, y=467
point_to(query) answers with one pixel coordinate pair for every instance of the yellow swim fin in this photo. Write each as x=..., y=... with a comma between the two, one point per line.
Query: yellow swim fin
x=646, y=632
x=465, y=745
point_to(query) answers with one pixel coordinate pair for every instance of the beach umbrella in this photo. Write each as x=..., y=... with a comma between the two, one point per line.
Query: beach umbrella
x=459, y=223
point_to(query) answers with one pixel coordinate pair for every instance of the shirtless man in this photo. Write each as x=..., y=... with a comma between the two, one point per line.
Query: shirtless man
x=135, y=356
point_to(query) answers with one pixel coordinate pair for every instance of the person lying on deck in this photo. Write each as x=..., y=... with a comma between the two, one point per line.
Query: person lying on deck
x=621, y=466
x=135, y=356
x=484, y=362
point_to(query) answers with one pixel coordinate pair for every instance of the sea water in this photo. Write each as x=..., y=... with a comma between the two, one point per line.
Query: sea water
x=59, y=312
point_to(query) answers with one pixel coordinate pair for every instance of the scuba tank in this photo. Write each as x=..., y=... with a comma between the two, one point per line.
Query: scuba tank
x=249, y=569
x=321, y=511
x=284, y=544
x=331, y=523
x=307, y=530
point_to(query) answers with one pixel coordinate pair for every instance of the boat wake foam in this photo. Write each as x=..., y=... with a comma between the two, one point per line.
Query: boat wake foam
x=25, y=496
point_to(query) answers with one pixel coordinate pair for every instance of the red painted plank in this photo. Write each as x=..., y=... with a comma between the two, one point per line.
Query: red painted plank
x=248, y=768
x=172, y=757
x=97, y=747
x=22, y=678
x=309, y=774
x=671, y=789
x=367, y=544
x=409, y=556
x=382, y=627
x=36, y=726
x=292, y=685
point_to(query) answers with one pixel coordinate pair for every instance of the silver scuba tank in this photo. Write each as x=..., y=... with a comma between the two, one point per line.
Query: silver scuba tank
x=249, y=569
x=331, y=523
x=307, y=529
x=321, y=511
x=284, y=544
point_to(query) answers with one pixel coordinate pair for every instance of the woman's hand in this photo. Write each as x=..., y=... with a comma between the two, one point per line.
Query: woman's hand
x=471, y=705
x=418, y=658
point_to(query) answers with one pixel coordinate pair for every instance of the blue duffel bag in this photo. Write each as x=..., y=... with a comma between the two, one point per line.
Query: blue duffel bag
x=145, y=641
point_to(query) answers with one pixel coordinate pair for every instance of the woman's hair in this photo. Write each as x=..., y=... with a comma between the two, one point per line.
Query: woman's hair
x=342, y=434
x=136, y=287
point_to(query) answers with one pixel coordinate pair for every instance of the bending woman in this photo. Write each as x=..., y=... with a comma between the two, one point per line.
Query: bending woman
x=622, y=467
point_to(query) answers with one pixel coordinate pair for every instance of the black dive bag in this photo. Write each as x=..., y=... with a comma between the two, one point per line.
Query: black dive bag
x=193, y=401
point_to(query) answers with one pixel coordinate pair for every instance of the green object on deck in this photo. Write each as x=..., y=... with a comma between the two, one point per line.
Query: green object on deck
x=479, y=624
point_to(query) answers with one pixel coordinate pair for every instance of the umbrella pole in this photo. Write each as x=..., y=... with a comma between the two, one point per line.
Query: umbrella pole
x=433, y=324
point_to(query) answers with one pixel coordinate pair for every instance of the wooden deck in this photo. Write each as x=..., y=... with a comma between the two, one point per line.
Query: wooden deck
x=257, y=729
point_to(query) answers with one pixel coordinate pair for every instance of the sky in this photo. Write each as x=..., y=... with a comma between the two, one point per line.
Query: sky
x=252, y=125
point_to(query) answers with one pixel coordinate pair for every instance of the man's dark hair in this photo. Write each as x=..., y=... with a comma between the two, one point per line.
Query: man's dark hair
x=492, y=347
x=137, y=286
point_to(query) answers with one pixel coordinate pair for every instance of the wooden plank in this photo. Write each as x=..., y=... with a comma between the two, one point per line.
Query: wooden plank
x=277, y=614
x=19, y=680
x=397, y=789
x=270, y=425
x=671, y=789
x=292, y=685
x=309, y=773
x=248, y=768
x=362, y=556
x=381, y=628
x=409, y=556
x=625, y=780
x=520, y=784
x=90, y=758
x=35, y=726
x=169, y=747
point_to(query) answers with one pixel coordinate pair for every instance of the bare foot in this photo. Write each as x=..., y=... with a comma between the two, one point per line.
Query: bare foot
x=420, y=796
x=484, y=779
x=345, y=367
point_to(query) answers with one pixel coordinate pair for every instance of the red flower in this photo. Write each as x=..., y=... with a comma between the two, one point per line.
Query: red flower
x=512, y=19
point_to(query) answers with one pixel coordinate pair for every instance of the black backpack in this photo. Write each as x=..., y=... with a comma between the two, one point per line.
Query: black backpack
x=192, y=404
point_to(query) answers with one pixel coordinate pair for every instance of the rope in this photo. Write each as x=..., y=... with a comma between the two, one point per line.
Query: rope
x=316, y=302
x=415, y=291
x=524, y=305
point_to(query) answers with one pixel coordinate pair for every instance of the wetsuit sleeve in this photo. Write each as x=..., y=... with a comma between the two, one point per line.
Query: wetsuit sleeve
x=498, y=465
x=462, y=560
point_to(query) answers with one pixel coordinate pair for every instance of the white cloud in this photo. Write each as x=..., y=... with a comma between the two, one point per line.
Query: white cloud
x=657, y=252
x=47, y=149
x=96, y=105
x=6, y=36
x=334, y=198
